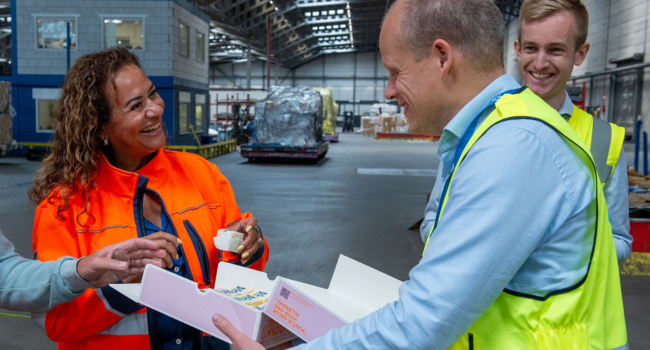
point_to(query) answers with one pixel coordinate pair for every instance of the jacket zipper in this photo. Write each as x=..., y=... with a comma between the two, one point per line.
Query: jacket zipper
x=200, y=250
x=139, y=220
x=470, y=338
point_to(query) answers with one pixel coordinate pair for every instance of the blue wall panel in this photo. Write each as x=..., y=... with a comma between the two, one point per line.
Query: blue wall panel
x=26, y=118
x=25, y=106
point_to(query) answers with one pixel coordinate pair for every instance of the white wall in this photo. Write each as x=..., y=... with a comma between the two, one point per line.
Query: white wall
x=189, y=67
x=335, y=71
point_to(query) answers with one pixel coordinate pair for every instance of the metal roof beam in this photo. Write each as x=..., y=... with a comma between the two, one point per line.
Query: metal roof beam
x=287, y=29
x=332, y=33
x=304, y=5
x=284, y=48
x=312, y=21
x=302, y=52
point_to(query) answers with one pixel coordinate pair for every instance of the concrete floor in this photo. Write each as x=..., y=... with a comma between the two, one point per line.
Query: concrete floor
x=310, y=214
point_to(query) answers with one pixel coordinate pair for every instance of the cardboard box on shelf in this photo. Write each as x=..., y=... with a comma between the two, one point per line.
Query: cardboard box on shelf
x=639, y=198
x=367, y=126
x=294, y=308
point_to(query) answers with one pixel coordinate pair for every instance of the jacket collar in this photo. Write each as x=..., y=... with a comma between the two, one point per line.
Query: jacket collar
x=124, y=183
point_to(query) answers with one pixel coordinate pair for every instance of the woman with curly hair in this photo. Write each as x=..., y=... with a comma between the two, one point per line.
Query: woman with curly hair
x=108, y=178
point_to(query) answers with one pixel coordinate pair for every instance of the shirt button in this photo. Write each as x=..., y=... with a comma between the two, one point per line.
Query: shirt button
x=178, y=341
x=176, y=269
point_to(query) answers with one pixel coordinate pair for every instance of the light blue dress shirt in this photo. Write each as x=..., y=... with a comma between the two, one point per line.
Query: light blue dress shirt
x=616, y=190
x=29, y=285
x=520, y=215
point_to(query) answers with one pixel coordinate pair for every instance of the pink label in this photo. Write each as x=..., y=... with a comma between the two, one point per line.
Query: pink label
x=299, y=314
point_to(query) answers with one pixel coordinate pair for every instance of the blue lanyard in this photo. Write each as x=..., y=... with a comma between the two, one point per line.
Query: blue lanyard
x=463, y=143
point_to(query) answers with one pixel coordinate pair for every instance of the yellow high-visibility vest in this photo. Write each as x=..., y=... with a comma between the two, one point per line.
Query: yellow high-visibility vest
x=605, y=141
x=587, y=315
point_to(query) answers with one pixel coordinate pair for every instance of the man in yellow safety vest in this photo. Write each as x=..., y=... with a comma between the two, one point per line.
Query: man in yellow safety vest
x=552, y=40
x=520, y=254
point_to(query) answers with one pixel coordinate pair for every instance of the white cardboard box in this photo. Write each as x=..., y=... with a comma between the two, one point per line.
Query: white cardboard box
x=309, y=312
x=181, y=299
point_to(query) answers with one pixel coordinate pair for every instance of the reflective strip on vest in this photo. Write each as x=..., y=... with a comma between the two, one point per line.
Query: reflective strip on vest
x=108, y=306
x=601, y=138
x=587, y=315
x=605, y=141
x=133, y=324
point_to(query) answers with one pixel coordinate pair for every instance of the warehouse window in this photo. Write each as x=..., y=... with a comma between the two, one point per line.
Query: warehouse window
x=52, y=33
x=184, y=100
x=199, y=111
x=47, y=101
x=200, y=47
x=184, y=41
x=124, y=32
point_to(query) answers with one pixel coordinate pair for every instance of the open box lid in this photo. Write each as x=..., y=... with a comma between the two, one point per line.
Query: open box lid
x=355, y=291
x=230, y=276
x=362, y=285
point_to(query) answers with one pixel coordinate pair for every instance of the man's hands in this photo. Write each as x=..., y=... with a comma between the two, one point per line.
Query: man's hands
x=118, y=261
x=239, y=340
x=252, y=237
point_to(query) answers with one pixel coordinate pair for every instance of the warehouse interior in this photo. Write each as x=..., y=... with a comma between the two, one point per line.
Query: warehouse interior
x=349, y=179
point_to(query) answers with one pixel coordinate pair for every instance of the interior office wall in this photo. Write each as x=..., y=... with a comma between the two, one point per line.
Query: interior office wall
x=190, y=67
x=360, y=82
x=618, y=29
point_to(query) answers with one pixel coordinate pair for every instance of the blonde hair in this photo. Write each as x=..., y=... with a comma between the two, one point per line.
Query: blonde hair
x=538, y=9
x=83, y=109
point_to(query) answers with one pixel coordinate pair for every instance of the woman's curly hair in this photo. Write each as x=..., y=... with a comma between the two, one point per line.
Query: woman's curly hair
x=83, y=109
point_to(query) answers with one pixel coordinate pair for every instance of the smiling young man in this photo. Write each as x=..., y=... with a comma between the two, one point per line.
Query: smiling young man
x=521, y=254
x=552, y=40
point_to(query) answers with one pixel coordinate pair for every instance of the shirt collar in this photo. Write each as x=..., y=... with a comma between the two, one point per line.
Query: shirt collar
x=457, y=126
x=566, y=110
x=124, y=183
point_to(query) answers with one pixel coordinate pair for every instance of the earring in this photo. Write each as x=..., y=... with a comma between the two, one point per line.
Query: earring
x=105, y=142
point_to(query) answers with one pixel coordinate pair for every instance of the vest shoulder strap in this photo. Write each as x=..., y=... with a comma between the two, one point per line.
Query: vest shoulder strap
x=605, y=141
x=601, y=139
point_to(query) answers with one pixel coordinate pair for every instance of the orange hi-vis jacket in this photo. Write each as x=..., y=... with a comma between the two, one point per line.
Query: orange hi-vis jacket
x=196, y=198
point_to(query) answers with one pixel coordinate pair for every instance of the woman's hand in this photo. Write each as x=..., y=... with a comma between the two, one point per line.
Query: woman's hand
x=168, y=243
x=117, y=261
x=253, y=240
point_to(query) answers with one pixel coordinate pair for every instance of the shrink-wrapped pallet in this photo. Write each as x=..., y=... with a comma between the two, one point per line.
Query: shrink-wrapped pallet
x=330, y=111
x=291, y=117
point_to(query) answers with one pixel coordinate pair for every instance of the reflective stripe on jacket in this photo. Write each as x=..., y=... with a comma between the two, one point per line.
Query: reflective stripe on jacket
x=587, y=315
x=199, y=201
x=603, y=139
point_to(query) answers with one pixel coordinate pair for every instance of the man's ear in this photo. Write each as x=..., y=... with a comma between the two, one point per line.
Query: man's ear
x=442, y=56
x=581, y=54
x=518, y=49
